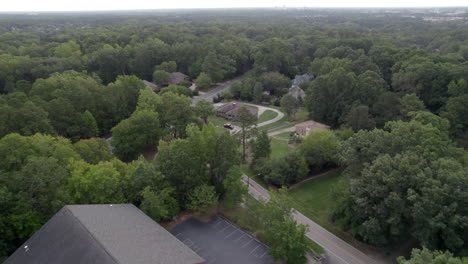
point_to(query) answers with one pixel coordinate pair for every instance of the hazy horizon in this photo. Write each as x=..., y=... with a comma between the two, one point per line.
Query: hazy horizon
x=140, y=5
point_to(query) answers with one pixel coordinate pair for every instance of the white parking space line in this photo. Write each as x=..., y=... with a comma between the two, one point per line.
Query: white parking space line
x=239, y=238
x=246, y=243
x=235, y=230
x=254, y=249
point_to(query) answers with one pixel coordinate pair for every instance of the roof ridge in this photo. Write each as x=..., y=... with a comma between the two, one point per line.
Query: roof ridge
x=91, y=234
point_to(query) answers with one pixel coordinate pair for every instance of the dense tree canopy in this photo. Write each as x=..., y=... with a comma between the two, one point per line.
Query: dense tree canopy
x=404, y=179
x=66, y=80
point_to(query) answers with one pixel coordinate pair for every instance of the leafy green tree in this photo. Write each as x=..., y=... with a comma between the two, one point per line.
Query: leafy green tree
x=218, y=150
x=160, y=77
x=456, y=110
x=26, y=118
x=142, y=174
x=324, y=66
x=204, y=156
x=202, y=198
x=358, y=118
x=236, y=88
x=363, y=64
x=161, y=205
x=97, y=184
x=203, y=81
x=246, y=120
x=320, y=149
x=175, y=113
x=370, y=86
x=93, y=150
x=257, y=93
x=411, y=103
x=421, y=154
x=149, y=100
x=426, y=256
x=122, y=97
x=146, y=55
x=261, y=146
x=283, y=171
x=89, y=126
x=167, y=66
x=65, y=118
x=329, y=96
x=234, y=186
x=177, y=89
x=16, y=150
x=140, y=131
x=218, y=66
x=274, y=55
x=275, y=220
x=109, y=62
x=68, y=49
x=204, y=109
x=181, y=164
x=275, y=82
x=42, y=180
x=290, y=105
x=290, y=240
x=386, y=108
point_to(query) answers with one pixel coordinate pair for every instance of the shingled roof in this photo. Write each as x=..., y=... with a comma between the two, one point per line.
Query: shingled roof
x=104, y=234
x=177, y=78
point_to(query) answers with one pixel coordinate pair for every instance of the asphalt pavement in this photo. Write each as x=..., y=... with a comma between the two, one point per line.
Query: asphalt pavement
x=209, y=96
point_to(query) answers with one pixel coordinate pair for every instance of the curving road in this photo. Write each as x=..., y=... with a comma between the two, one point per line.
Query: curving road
x=262, y=109
x=338, y=251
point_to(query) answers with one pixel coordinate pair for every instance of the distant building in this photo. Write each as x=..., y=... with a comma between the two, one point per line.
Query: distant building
x=297, y=91
x=177, y=77
x=103, y=234
x=229, y=110
x=304, y=128
x=151, y=85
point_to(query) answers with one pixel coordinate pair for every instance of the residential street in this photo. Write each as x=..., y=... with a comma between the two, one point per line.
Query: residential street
x=338, y=251
x=213, y=93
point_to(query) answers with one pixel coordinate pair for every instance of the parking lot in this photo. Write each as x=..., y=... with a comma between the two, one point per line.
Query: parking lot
x=219, y=241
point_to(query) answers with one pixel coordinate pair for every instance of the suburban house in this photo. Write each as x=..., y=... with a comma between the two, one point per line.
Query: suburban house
x=151, y=85
x=177, y=77
x=103, y=234
x=304, y=128
x=229, y=110
x=297, y=91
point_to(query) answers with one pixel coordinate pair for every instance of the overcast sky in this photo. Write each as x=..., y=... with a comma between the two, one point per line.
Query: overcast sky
x=78, y=5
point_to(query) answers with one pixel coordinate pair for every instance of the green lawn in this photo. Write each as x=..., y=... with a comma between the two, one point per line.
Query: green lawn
x=313, y=198
x=282, y=120
x=267, y=115
x=284, y=135
x=279, y=148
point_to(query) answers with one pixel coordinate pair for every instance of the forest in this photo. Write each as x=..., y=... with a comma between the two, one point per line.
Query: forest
x=394, y=87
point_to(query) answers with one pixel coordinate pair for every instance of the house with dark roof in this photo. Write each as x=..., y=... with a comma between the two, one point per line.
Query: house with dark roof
x=296, y=91
x=103, y=234
x=229, y=110
x=177, y=77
